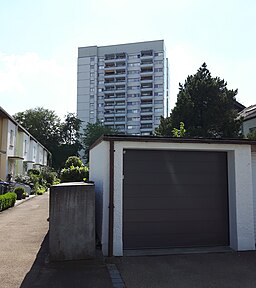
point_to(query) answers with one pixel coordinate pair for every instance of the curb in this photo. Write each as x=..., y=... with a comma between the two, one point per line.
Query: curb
x=23, y=200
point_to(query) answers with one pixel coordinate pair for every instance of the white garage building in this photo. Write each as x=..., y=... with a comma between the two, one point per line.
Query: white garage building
x=155, y=193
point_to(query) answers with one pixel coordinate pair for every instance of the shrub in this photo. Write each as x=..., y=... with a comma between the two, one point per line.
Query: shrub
x=74, y=174
x=49, y=176
x=56, y=182
x=7, y=200
x=19, y=191
x=34, y=171
x=73, y=161
x=252, y=135
x=41, y=189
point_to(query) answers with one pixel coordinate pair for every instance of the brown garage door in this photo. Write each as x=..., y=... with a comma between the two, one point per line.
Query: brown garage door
x=175, y=199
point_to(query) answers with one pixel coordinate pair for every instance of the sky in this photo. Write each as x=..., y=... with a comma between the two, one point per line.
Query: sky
x=39, y=43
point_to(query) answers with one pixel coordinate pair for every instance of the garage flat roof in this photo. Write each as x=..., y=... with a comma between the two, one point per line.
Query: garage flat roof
x=160, y=139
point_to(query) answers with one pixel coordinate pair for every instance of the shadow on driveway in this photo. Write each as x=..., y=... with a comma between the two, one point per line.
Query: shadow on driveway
x=65, y=274
x=211, y=270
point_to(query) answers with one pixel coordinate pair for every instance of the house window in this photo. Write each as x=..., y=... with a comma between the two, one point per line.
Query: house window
x=25, y=147
x=133, y=87
x=133, y=72
x=12, y=138
x=158, y=69
x=133, y=103
x=133, y=111
x=34, y=152
x=133, y=119
x=252, y=130
x=159, y=54
x=159, y=78
x=134, y=64
x=159, y=110
x=134, y=56
x=133, y=79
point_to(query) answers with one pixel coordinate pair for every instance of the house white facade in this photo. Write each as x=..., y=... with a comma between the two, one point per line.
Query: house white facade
x=112, y=189
x=249, y=120
x=20, y=151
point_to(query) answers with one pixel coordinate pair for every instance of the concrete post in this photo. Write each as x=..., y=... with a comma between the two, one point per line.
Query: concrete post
x=72, y=221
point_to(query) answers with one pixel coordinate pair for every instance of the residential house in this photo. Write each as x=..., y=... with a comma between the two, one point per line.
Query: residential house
x=19, y=150
x=249, y=119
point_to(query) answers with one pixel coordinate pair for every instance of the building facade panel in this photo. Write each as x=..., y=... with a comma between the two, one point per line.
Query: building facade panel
x=123, y=79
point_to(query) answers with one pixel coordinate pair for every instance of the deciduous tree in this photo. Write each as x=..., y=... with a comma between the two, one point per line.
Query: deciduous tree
x=92, y=132
x=62, y=139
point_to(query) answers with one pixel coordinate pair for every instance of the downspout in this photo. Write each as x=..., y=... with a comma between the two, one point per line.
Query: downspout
x=111, y=198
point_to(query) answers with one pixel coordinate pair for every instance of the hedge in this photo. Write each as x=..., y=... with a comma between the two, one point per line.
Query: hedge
x=7, y=200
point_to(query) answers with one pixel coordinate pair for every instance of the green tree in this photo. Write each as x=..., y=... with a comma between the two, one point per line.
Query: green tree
x=252, y=135
x=165, y=128
x=206, y=106
x=70, y=129
x=62, y=139
x=70, y=143
x=92, y=132
x=179, y=132
x=41, y=123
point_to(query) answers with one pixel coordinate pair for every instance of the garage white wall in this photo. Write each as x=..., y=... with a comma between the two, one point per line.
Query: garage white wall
x=240, y=191
x=254, y=188
x=243, y=200
x=99, y=173
x=240, y=187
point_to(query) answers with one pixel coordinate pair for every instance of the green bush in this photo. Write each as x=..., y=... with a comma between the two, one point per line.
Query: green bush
x=56, y=182
x=7, y=200
x=23, y=179
x=73, y=161
x=34, y=171
x=49, y=176
x=40, y=190
x=19, y=191
x=74, y=174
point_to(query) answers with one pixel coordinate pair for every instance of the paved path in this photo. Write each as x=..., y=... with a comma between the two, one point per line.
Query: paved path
x=24, y=250
x=213, y=270
x=22, y=230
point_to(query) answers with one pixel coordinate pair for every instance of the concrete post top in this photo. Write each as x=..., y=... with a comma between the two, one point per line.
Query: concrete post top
x=74, y=184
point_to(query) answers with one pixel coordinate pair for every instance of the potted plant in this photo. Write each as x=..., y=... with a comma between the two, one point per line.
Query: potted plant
x=20, y=191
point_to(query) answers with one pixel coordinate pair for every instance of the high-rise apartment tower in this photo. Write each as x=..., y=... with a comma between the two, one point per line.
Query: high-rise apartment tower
x=123, y=86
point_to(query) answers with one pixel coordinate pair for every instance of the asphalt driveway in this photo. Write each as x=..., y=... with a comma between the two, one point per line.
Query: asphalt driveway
x=225, y=270
x=24, y=264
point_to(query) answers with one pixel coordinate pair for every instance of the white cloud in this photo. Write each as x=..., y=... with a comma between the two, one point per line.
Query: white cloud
x=28, y=81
